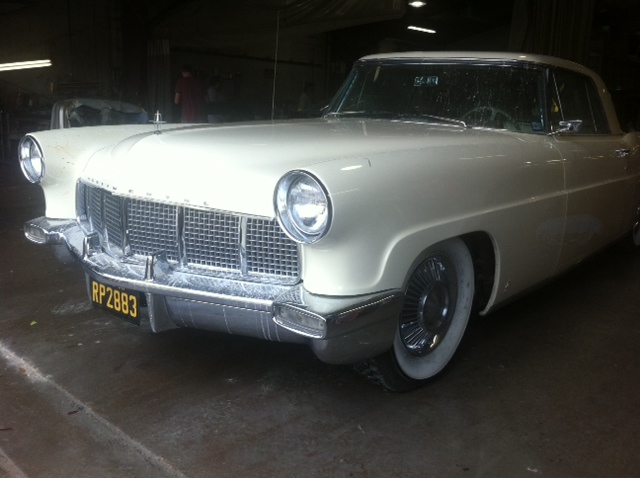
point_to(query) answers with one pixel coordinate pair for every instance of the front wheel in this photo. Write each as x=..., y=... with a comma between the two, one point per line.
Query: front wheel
x=437, y=306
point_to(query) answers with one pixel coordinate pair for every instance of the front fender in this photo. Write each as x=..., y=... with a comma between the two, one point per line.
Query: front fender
x=66, y=153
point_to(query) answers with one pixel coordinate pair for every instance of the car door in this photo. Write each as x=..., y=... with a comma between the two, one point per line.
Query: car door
x=597, y=177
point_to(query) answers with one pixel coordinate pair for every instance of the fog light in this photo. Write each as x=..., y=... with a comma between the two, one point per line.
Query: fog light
x=43, y=231
x=35, y=234
x=300, y=321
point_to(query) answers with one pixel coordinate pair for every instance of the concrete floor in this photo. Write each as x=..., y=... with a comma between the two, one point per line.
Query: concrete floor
x=546, y=386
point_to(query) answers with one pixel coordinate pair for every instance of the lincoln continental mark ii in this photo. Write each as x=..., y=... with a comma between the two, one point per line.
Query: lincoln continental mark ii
x=433, y=187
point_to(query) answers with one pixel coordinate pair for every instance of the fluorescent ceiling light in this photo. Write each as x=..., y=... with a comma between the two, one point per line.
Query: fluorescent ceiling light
x=21, y=65
x=417, y=4
x=420, y=29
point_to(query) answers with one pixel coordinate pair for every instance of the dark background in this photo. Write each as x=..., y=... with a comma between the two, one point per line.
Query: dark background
x=546, y=386
x=264, y=51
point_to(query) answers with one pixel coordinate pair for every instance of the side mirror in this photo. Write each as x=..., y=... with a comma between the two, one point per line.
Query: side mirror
x=569, y=126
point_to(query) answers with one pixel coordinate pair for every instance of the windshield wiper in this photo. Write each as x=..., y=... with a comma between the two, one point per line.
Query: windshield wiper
x=397, y=116
x=439, y=119
x=368, y=114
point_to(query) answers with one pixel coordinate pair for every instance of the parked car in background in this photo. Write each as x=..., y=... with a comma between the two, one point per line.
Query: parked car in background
x=78, y=112
x=68, y=113
x=435, y=184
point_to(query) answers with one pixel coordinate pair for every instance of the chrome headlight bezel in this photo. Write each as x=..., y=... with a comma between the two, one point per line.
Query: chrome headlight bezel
x=303, y=207
x=31, y=159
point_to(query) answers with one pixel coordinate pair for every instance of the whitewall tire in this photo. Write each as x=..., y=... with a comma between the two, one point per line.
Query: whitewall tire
x=437, y=305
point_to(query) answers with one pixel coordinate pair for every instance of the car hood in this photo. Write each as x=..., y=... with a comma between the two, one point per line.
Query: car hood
x=236, y=167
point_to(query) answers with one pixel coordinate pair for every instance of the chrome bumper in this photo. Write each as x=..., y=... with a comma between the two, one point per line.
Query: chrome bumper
x=338, y=329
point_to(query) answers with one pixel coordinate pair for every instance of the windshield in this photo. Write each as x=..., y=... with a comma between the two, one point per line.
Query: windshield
x=465, y=94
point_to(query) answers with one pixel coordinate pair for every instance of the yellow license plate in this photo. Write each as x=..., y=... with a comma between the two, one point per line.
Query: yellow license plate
x=118, y=300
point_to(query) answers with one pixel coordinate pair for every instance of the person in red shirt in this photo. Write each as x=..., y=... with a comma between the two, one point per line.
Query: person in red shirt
x=190, y=94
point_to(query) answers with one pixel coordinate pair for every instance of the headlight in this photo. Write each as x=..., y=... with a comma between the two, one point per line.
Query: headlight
x=31, y=159
x=303, y=207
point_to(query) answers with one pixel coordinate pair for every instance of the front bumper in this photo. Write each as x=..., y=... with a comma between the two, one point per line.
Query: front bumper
x=338, y=329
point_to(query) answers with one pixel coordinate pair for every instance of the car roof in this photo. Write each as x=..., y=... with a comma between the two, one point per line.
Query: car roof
x=500, y=58
x=479, y=56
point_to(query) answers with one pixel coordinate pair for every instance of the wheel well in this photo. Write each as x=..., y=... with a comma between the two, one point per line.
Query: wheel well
x=484, y=264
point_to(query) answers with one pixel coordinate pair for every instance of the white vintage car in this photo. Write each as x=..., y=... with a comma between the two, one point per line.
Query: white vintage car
x=435, y=184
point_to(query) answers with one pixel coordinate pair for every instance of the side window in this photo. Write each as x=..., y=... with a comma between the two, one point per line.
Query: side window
x=574, y=97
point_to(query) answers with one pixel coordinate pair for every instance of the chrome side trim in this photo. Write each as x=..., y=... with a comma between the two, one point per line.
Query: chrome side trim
x=340, y=315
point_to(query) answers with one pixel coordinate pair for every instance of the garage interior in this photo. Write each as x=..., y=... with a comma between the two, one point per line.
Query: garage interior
x=263, y=52
x=546, y=386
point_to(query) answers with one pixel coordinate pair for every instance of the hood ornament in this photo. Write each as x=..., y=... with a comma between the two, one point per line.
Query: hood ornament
x=157, y=121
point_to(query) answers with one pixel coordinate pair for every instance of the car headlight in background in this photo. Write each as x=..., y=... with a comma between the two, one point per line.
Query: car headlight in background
x=303, y=207
x=31, y=159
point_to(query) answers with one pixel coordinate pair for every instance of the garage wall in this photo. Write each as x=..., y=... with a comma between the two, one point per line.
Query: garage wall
x=78, y=37
x=247, y=74
x=84, y=40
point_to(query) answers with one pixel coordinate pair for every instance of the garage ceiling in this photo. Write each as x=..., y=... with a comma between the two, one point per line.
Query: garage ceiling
x=10, y=6
x=220, y=24
x=226, y=23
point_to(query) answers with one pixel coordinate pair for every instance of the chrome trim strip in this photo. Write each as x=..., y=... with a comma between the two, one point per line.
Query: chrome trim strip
x=242, y=246
x=103, y=223
x=124, y=227
x=182, y=247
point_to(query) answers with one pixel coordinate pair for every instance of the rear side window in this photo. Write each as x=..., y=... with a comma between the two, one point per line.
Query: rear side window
x=575, y=97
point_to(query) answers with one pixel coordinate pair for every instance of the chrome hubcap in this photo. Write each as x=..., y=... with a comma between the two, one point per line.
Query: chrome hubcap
x=429, y=305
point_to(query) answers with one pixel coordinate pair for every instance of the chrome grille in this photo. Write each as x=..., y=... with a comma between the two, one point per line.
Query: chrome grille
x=152, y=227
x=214, y=239
x=93, y=202
x=112, y=220
x=268, y=249
x=194, y=238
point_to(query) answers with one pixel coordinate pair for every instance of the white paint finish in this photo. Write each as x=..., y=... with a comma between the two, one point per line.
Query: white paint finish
x=603, y=192
x=396, y=187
